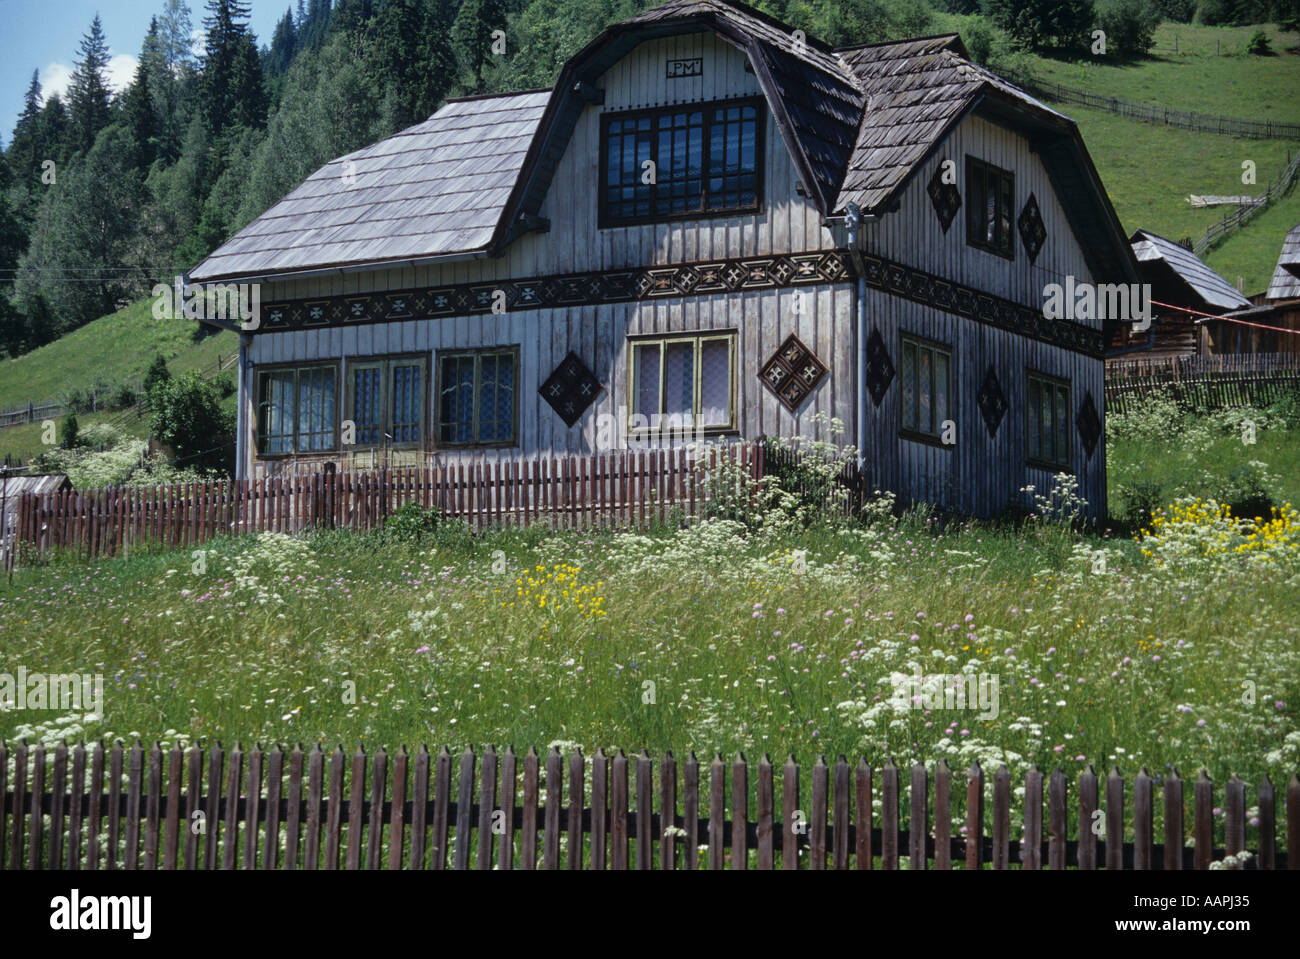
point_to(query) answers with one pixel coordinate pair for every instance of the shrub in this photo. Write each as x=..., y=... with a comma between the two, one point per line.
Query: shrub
x=157, y=373
x=1060, y=24
x=71, y=433
x=1258, y=44
x=1248, y=490
x=416, y=525
x=187, y=416
x=1179, y=11
x=79, y=400
x=1129, y=25
x=122, y=396
x=1140, y=501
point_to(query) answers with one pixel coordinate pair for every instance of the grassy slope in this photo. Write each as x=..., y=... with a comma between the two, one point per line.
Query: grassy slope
x=1232, y=84
x=113, y=349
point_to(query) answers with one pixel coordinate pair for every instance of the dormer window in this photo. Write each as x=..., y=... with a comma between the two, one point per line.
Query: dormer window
x=990, y=207
x=681, y=161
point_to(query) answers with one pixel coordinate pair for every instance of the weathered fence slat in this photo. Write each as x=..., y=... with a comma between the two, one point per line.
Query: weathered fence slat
x=153, y=796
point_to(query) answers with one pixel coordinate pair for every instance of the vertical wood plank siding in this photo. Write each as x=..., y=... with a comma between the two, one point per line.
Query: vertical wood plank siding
x=981, y=475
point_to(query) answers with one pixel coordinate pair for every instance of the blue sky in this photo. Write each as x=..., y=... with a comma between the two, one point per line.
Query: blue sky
x=44, y=35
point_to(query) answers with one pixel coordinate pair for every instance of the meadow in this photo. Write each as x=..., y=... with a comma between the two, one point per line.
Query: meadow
x=1173, y=644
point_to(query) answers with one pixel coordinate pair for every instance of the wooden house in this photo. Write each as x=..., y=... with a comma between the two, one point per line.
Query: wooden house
x=1183, y=290
x=712, y=217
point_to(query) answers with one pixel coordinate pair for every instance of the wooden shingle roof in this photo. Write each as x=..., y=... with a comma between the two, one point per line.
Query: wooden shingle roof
x=433, y=188
x=858, y=123
x=1285, y=284
x=915, y=91
x=1212, y=289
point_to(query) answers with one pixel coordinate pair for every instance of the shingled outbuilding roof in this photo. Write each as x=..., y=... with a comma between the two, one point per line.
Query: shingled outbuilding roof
x=1212, y=289
x=1285, y=284
x=858, y=123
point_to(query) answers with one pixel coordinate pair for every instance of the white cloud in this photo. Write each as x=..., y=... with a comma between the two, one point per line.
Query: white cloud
x=55, y=79
x=121, y=71
x=57, y=76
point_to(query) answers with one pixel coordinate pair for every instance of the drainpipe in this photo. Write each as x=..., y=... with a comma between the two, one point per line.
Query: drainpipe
x=244, y=394
x=853, y=222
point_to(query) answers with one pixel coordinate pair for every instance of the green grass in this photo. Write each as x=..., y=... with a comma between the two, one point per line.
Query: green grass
x=113, y=349
x=707, y=639
x=1150, y=169
x=1232, y=84
x=24, y=440
x=1252, y=251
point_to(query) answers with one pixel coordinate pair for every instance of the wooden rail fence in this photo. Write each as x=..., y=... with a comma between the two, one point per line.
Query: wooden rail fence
x=1203, y=382
x=1185, y=119
x=629, y=488
x=152, y=808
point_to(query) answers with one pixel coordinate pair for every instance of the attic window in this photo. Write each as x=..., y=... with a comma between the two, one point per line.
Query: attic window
x=681, y=162
x=989, y=208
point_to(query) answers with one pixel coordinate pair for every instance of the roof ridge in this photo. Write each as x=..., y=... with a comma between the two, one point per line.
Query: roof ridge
x=953, y=34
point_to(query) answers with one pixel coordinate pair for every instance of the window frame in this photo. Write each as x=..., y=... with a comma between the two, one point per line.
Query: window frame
x=729, y=336
x=911, y=433
x=977, y=238
x=478, y=352
x=386, y=362
x=1057, y=384
x=606, y=221
x=260, y=372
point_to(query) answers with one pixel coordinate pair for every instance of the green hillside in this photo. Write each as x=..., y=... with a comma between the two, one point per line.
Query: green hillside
x=114, y=349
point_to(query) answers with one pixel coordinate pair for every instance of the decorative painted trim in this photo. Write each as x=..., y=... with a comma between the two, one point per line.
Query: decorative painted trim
x=574, y=289
x=930, y=290
x=779, y=271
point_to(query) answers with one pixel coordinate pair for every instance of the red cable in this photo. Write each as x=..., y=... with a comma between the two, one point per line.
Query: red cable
x=1225, y=319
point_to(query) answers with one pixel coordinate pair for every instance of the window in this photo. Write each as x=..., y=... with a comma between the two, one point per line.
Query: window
x=927, y=385
x=705, y=160
x=386, y=401
x=686, y=377
x=477, y=398
x=296, y=410
x=1047, y=402
x=991, y=195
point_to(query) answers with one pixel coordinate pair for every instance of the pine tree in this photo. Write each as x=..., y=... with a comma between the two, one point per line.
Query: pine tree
x=283, y=46
x=88, y=93
x=471, y=33
x=232, y=73
x=411, y=59
x=22, y=156
x=138, y=107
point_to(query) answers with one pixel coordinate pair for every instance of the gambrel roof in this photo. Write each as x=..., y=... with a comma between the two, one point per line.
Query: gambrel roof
x=859, y=123
x=1212, y=289
x=1286, y=275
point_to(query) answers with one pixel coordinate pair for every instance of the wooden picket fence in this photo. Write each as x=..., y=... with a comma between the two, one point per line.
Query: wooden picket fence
x=152, y=808
x=1203, y=382
x=628, y=488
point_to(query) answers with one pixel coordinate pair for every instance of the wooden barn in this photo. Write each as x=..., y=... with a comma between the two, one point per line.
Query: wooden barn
x=1270, y=323
x=709, y=218
x=1184, y=289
